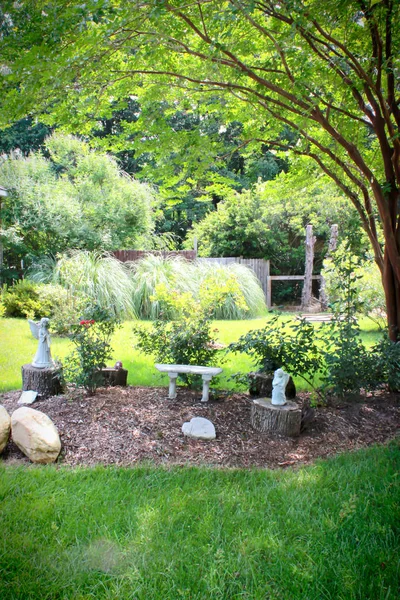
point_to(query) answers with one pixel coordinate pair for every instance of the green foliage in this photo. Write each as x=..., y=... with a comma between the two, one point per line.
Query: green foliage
x=293, y=347
x=77, y=198
x=386, y=362
x=153, y=271
x=91, y=338
x=21, y=300
x=349, y=365
x=94, y=275
x=224, y=291
x=269, y=220
x=283, y=78
x=367, y=282
x=189, y=340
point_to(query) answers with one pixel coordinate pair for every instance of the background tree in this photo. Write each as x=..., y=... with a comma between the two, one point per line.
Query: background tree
x=329, y=73
x=77, y=198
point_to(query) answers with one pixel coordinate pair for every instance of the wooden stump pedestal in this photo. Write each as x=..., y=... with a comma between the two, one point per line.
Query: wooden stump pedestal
x=46, y=382
x=268, y=418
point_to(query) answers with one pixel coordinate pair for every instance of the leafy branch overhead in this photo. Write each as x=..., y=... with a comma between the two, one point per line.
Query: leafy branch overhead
x=328, y=73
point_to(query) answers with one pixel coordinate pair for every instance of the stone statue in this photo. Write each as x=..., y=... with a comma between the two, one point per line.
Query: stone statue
x=279, y=384
x=42, y=359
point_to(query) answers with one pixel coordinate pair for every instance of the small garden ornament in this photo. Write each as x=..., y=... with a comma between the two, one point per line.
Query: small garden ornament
x=42, y=358
x=279, y=384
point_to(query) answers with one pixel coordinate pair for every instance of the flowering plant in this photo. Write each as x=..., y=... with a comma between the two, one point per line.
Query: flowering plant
x=91, y=338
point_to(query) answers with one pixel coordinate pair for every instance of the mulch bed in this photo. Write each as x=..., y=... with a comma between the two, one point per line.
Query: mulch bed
x=126, y=426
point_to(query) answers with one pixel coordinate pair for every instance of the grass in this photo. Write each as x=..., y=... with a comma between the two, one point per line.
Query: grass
x=329, y=531
x=17, y=347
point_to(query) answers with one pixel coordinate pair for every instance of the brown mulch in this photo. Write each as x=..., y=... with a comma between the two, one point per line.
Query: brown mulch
x=125, y=426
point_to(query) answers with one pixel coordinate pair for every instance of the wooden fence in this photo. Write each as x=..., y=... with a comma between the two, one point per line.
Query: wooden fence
x=258, y=265
x=132, y=255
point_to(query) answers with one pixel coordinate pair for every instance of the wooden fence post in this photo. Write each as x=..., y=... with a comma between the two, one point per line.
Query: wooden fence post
x=306, y=295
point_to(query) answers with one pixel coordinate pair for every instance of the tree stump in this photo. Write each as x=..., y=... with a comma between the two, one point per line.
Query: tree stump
x=46, y=382
x=268, y=418
x=114, y=376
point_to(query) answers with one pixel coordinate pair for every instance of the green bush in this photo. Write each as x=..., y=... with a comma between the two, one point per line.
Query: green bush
x=91, y=337
x=23, y=300
x=189, y=340
x=293, y=347
x=366, y=278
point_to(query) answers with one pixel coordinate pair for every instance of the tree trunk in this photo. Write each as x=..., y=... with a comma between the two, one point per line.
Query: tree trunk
x=307, y=287
x=267, y=418
x=46, y=382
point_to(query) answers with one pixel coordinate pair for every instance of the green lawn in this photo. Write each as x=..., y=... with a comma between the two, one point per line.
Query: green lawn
x=17, y=347
x=328, y=531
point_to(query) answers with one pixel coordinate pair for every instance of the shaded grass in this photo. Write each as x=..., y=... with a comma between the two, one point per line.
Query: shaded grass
x=328, y=531
x=17, y=347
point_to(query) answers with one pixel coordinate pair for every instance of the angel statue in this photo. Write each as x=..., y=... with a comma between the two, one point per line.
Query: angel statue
x=42, y=359
x=279, y=384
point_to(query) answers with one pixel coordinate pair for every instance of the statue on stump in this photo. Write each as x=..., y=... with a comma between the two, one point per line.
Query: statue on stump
x=42, y=359
x=279, y=384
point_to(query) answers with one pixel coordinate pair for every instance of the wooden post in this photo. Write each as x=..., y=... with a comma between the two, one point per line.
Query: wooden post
x=307, y=287
x=269, y=292
x=331, y=249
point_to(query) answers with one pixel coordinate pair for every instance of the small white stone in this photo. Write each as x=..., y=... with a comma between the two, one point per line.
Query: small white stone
x=5, y=428
x=199, y=428
x=28, y=397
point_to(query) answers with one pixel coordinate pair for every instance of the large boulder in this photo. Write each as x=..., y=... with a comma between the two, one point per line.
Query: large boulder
x=35, y=434
x=5, y=427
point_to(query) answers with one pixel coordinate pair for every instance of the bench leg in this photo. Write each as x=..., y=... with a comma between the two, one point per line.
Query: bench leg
x=206, y=387
x=172, y=385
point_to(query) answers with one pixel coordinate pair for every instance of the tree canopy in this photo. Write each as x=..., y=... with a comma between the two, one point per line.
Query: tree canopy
x=327, y=72
x=268, y=221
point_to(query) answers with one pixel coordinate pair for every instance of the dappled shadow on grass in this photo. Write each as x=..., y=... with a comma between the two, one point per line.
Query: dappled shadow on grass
x=329, y=530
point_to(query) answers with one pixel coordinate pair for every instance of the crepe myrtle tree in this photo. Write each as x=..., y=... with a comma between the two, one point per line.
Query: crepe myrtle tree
x=326, y=72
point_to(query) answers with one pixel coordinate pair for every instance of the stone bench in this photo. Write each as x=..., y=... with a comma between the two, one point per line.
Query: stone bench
x=207, y=373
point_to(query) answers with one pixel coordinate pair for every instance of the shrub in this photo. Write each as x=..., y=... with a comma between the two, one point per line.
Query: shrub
x=366, y=278
x=23, y=300
x=188, y=340
x=293, y=347
x=91, y=337
x=229, y=291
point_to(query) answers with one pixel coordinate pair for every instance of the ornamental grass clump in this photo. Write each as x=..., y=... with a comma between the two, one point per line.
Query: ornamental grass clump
x=91, y=337
x=231, y=291
x=99, y=276
x=152, y=271
x=223, y=291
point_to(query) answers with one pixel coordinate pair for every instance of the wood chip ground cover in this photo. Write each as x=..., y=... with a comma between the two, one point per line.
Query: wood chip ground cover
x=126, y=426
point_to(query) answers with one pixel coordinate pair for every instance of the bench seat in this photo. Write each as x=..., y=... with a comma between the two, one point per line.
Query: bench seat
x=207, y=373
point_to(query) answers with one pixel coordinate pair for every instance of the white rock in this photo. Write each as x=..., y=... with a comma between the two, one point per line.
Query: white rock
x=5, y=428
x=35, y=434
x=199, y=428
x=27, y=397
